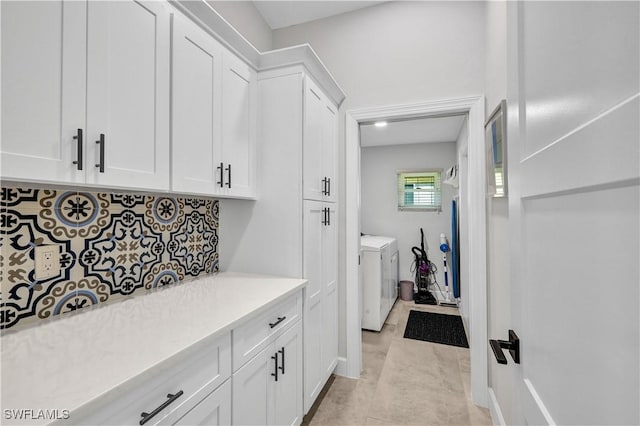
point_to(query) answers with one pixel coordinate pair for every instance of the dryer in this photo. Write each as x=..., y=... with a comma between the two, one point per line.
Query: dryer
x=379, y=279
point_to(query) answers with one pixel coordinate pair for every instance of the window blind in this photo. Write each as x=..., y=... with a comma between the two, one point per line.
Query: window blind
x=419, y=190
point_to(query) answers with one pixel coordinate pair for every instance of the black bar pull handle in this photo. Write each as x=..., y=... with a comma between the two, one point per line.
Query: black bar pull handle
x=328, y=216
x=78, y=138
x=275, y=370
x=513, y=345
x=100, y=142
x=328, y=187
x=229, y=176
x=148, y=416
x=221, y=169
x=280, y=319
x=281, y=352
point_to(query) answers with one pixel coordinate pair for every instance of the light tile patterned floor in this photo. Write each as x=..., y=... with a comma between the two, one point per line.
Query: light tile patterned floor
x=404, y=382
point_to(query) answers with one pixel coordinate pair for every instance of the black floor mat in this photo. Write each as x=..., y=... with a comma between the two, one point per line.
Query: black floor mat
x=437, y=328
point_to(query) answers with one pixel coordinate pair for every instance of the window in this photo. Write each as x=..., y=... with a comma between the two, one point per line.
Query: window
x=419, y=190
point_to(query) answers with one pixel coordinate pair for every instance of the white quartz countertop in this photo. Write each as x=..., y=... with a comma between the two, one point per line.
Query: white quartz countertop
x=68, y=363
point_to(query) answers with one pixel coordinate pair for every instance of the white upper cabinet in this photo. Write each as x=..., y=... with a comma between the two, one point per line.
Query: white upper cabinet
x=239, y=116
x=128, y=94
x=214, y=116
x=73, y=71
x=43, y=89
x=319, y=146
x=197, y=130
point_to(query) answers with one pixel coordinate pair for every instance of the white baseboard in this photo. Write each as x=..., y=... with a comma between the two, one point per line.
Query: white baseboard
x=341, y=367
x=494, y=408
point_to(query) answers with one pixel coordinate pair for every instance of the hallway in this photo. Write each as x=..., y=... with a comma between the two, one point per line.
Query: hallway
x=404, y=381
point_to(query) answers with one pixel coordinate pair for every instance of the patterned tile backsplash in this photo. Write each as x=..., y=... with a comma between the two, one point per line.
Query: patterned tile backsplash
x=111, y=245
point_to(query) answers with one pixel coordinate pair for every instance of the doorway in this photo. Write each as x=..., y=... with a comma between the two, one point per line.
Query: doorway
x=474, y=210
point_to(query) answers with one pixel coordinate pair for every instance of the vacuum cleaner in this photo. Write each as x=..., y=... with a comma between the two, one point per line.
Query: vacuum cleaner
x=444, y=248
x=424, y=272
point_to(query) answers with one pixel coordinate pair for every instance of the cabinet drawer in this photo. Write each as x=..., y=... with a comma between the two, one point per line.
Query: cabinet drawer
x=196, y=375
x=253, y=336
x=214, y=410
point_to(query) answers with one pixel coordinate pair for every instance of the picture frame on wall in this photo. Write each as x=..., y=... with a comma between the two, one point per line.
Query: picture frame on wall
x=495, y=130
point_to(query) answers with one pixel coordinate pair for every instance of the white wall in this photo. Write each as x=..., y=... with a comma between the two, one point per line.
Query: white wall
x=395, y=53
x=380, y=214
x=498, y=286
x=245, y=18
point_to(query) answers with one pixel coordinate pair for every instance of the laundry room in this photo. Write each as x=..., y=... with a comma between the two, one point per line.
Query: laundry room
x=410, y=182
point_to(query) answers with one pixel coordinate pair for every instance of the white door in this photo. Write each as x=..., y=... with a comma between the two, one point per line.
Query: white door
x=214, y=410
x=288, y=388
x=312, y=149
x=330, y=151
x=239, y=108
x=574, y=205
x=330, y=290
x=128, y=86
x=43, y=89
x=252, y=402
x=313, y=219
x=196, y=110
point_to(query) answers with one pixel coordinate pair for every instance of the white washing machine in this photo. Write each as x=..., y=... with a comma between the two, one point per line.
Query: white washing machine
x=379, y=279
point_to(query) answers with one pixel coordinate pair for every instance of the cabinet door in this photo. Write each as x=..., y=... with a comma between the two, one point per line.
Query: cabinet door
x=288, y=388
x=128, y=93
x=239, y=108
x=312, y=271
x=196, y=110
x=43, y=89
x=214, y=410
x=330, y=151
x=312, y=146
x=330, y=292
x=252, y=402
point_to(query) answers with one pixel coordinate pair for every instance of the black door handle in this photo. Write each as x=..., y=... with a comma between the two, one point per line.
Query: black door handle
x=328, y=216
x=328, y=187
x=513, y=345
x=221, y=181
x=280, y=319
x=324, y=216
x=281, y=352
x=275, y=370
x=78, y=138
x=172, y=397
x=100, y=142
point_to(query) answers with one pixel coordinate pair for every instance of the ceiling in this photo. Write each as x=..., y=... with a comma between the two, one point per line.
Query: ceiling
x=280, y=14
x=422, y=130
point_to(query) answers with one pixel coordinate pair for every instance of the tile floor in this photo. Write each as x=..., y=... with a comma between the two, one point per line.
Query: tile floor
x=404, y=381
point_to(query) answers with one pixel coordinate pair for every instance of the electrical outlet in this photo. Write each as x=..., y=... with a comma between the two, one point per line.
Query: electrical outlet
x=47, y=261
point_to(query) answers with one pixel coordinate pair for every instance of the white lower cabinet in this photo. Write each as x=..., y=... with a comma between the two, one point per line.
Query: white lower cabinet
x=168, y=392
x=267, y=390
x=214, y=410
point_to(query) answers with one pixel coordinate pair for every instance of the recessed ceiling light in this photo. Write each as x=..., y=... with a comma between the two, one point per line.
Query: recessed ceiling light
x=380, y=124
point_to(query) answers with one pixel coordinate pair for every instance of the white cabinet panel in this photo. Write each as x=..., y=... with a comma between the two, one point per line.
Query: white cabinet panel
x=313, y=136
x=320, y=310
x=128, y=93
x=330, y=290
x=320, y=145
x=288, y=388
x=43, y=89
x=239, y=109
x=214, y=410
x=268, y=389
x=330, y=151
x=196, y=132
x=251, y=397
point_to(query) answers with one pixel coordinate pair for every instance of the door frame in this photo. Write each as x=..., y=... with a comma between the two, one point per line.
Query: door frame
x=475, y=211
